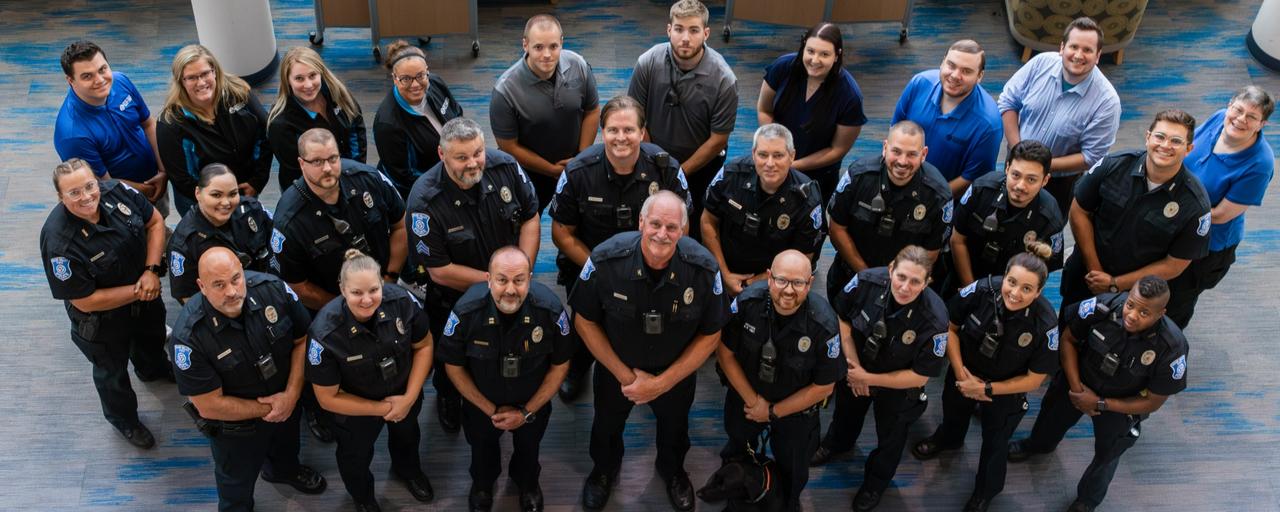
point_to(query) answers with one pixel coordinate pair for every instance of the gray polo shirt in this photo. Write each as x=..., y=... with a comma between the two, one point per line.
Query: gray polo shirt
x=544, y=115
x=708, y=99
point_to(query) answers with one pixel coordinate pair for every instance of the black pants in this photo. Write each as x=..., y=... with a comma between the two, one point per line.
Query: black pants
x=544, y=187
x=827, y=177
x=1113, y=433
x=356, y=436
x=486, y=452
x=792, y=439
x=1182, y=296
x=437, y=315
x=240, y=453
x=1000, y=417
x=1203, y=274
x=612, y=409
x=1062, y=188
x=129, y=333
x=895, y=411
x=698, y=184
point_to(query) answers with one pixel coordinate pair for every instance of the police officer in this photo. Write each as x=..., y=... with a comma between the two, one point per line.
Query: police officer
x=1000, y=215
x=1139, y=213
x=369, y=355
x=1002, y=342
x=599, y=195
x=894, y=336
x=756, y=207
x=102, y=247
x=885, y=203
x=506, y=346
x=781, y=355
x=238, y=348
x=223, y=218
x=649, y=306
x=469, y=205
x=1122, y=357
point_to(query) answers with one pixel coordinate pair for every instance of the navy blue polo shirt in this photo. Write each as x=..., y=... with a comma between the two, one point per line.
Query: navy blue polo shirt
x=962, y=143
x=845, y=109
x=108, y=137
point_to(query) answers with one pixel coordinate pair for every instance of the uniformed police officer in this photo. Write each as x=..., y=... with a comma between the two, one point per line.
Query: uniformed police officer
x=1002, y=342
x=756, y=207
x=469, y=205
x=506, y=346
x=238, y=348
x=781, y=351
x=223, y=218
x=1122, y=357
x=649, y=306
x=599, y=195
x=369, y=355
x=102, y=247
x=885, y=203
x=1001, y=214
x=1139, y=213
x=894, y=336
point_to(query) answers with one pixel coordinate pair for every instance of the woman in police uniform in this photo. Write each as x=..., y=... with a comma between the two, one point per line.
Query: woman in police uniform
x=369, y=354
x=314, y=98
x=407, y=126
x=221, y=218
x=1002, y=342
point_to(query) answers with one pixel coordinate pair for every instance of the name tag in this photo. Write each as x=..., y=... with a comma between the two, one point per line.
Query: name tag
x=619, y=295
x=96, y=256
x=750, y=328
x=320, y=240
x=735, y=204
x=455, y=229
x=224, y=353
x=355, y=358
x=481, y=343
x=595, y=199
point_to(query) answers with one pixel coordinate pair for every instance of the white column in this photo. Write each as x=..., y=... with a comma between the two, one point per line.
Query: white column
x=1264, y=38
x=240, y=34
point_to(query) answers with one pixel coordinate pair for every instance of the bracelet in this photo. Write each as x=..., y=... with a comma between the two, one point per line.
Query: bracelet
x=987, y=389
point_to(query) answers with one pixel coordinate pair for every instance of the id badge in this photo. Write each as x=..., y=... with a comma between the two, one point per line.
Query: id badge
x=1109, y=364
x=388, y=367
x=266, y=367
x=653, y=323
x=510, y=367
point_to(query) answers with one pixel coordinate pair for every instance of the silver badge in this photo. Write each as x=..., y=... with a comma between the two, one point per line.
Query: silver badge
x=400, y=326
x=919, y=212
x=1171, y=209
x=1148, y=357
x=908, y=336
x=537, y=334
x=803, y=345
x=505, y=194
x=784, y=221
x=368, y=200
x=124, y=209
x=688, y=295
x=1029, y=237
x=653, y=187
x=1024, y=339
x=253, y=226
x=271, y=314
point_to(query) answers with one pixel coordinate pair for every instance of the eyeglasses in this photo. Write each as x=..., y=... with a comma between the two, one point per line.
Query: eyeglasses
x=1160, y=139
x=76, y=194
x=405, y=80
x=193, y=79
x=782, y=282
x=1238, y=111
x=317, y=162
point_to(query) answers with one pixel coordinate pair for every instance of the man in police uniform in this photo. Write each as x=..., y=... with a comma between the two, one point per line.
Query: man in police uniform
x=506, y=346
x=1140, y=213
x=1121, y=360
x=237, y=349
x=1002, y=213
x=887, y=202
x=469, y=205
x=650, y=306
x=781, y=348
x=757, y=207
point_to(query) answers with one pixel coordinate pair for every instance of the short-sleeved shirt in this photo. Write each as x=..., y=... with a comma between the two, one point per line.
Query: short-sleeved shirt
x=108, y=137
x=844, y=108
x=1040, y=221
x=295, y=119
x=352, y=355
x=920, y=211
x=408, y=144
x=1025, y=340
x=708, y=96
x=237, y=138
x=306, y=239
x=915, y=334
x=1082, y=119
x=963, y=143
x=1155, y=359
x=80, y=257
x=1241, y=177
x=544, y=115
x=618, y=291
x=754, y=225
x=247, y=233
x=210, y=350
x=480, y=338
x=807, y=342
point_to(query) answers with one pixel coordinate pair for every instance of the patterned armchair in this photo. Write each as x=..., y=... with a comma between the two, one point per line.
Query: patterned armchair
x=1038, y=24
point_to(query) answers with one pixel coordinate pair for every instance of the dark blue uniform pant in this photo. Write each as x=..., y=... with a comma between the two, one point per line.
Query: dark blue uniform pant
x=239, y=453
x=1182, y=294
x=356, y=436
x=1000, y=418
x=698, y=184
x=486, y=452
x=895, y=411
x=129, y=333
x=437, y=315
x=612, y=409
x=1113, y=433
x=792, y=439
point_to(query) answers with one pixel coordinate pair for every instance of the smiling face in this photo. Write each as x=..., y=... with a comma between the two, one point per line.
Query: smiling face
x=412, y=78
x=200, y=81
x=1023, y=180
x=79, y=192
x=1080, y=54
x=219, y=198
x=91, y=79
x=304, y=82
x=542, y=49
x=622, y=135
x=463, y=161
x=960, y=73
x=362, y=290
x=1020, y=288
x=509, y=279
x=906, y=280
x=819, y=56
x=773, y=162
x=903, y=156
x=221, y=281
x=660, y=229
x=790, y=277
x=687, y=36
x=1243, y=121
x=321, y=166
x=1167, y=145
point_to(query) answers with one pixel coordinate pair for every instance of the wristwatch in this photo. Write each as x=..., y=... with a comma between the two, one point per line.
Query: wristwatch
x=1102, y=405
x=772, y=415
x=1113, y=288
x=987, y=389
x=158, y=270
x=395, y=276
x=528, y=416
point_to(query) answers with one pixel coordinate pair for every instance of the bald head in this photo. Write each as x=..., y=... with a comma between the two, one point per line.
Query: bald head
x=509, y=257
x=509, y=278
x=218, y=261
x=791, y=261
x=222, y=280
x=790, y=278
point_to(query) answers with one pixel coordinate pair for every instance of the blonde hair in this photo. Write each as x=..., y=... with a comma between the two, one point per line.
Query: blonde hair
x=230, y=89
x=337, y=90
x=356, y=261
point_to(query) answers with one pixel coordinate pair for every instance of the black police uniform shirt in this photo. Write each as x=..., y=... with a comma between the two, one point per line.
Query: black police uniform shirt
x=754, y=225
x=294, y=120
x=237, y=138
x=306, y=239
x=650, y=316
x=247, y=233
x=80, y=257
x=1020, y=340
x=917, y=213
x=992, y=242
x=450, y=225
x=407, y=142
x=806, y=343
x=915, y=334
x=1133, y=227
x=507, y=356
x=1117, y=364
x=210, y=350
x=370, y=359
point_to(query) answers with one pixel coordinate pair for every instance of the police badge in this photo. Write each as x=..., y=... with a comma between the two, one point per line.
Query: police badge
x=271, y=315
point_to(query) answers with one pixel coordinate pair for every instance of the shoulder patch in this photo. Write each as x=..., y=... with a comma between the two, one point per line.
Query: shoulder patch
x=966, y=291
x=733, y=306
x=816, y=216
x=940, y=344
x=421, y=223
x=717, y=179
x=182, y=356
x=560, y=183
x=1202, y=229
x=833, y=347
x=1052, y=336
x=968, y=192
x=61, y=268
x=853, y=283
x=1087, y=306
x=290, y=291
x=177, y=263
x=1055, y=240
x=718, y=286
x=313, y=352
x=587, y=270
x=277, y=241
x=947, y=209
x=1179, y=367
x=451, y=325
x=684, y=183
x=386, y=180
x=563, y=323
x=845, y=180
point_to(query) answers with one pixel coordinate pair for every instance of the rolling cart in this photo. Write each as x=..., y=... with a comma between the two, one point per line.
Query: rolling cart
x=398, y=18
x=806, y=13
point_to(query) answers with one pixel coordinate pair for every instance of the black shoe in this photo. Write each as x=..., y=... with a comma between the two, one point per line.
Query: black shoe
x=822, y=456
x=139, y=436
x=305, y=480
x=480, y=500
x=1080, y=506
x=866, y=499
x=318, y=428
x=419, y=487
x=449, y=411
x=680, y=492
x=596, y=490
x=977, y=504
x=929, y=448
x=572, y=387
x=531, y=500
x=1019, y=452
x=371, y=506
